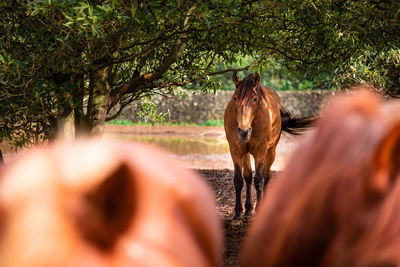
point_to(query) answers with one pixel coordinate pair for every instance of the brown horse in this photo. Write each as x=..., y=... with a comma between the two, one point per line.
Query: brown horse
x=97, y=203
x=337, y=203
x=254, y=120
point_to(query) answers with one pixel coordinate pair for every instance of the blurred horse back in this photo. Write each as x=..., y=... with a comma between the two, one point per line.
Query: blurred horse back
x=104, y=203
x=337, y=202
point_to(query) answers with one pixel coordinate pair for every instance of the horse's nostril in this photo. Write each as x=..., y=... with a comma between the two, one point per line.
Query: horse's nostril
x=244, y=133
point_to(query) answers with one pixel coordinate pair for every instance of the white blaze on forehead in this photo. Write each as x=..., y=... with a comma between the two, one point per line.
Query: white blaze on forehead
x=244, y=117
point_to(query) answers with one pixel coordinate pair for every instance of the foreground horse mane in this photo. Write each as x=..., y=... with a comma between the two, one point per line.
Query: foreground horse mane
x=337, y=203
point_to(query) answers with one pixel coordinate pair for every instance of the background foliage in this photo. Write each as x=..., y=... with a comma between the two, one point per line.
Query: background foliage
x=273, y=74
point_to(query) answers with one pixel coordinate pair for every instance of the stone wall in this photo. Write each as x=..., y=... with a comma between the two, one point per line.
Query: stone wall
x=200, y=107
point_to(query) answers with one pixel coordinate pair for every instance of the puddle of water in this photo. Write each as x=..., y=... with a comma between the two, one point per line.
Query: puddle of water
x=201, y=150
x=205, y=152
x=182, y=146
x=194, y=152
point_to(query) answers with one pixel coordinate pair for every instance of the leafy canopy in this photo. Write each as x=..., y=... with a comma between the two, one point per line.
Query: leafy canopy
x=92, y=58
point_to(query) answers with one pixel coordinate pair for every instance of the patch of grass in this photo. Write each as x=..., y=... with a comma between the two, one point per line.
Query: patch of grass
x=181, y=123
x=214, y=123
x=119, y=122
x=128, y=122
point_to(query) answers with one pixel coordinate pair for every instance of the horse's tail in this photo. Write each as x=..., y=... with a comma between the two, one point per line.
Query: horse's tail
x=295, y=125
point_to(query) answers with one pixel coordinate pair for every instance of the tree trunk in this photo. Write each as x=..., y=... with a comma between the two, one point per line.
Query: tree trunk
x=66, y=125
x=81, y=124
x=99, y=90
x=1, y=158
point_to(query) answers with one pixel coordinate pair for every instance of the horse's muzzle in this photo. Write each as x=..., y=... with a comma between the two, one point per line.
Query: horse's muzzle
x=244, y=136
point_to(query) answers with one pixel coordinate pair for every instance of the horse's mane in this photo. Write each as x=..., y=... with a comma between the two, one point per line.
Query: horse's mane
x=322, y=210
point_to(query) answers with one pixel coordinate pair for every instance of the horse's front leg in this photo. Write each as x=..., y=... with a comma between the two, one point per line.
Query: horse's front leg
x=267, y=170
x=260, y=162
x=238, y=182
x=258, y=182
x=249, y=179
x=267, y=177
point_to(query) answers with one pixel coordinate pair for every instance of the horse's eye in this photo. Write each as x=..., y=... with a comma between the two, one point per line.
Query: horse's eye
x=234, y=98
x=255, y=99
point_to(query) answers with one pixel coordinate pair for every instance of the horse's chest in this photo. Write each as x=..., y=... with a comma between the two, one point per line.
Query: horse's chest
x=255, y=147
x=259, y=143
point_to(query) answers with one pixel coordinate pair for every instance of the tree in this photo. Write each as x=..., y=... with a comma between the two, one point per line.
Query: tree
x=67, y=66
x=349, y=41
x=352, y=41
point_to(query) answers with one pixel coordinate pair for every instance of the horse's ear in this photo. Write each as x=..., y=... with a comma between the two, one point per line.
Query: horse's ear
x=387, y=161
x=256, y=79
x=235, y=78
x=108, y=209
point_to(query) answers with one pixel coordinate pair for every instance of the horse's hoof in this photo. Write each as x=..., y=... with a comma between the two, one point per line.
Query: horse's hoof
x=249, y=213
x=238, y=216
x=248, y=217
x=236, y=222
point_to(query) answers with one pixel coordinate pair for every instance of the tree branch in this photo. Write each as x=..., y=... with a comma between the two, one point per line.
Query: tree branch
x=136, y=82
x=182, y=83
x=121, y=108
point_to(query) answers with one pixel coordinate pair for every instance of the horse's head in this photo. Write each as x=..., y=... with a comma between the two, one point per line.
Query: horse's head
x=246, y=99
